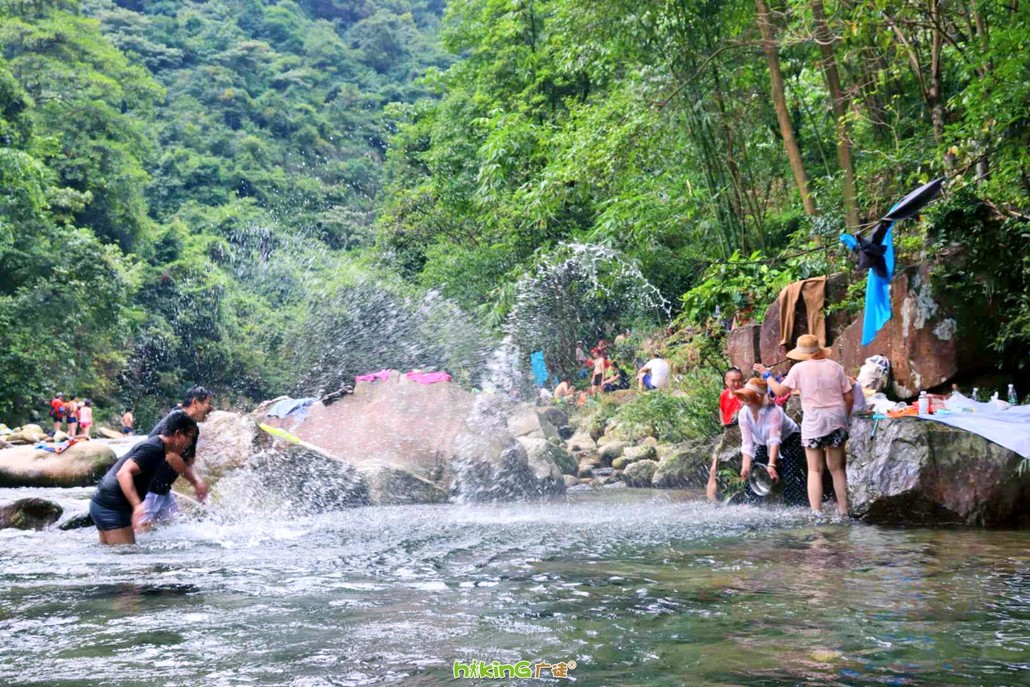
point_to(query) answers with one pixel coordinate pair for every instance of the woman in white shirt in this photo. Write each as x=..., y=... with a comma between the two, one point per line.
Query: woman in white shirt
x=769, y=437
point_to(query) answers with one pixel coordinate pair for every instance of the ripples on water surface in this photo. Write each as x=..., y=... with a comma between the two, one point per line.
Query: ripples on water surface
x=636, y=587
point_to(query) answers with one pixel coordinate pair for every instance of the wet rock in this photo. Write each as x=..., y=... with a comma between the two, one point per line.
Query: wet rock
x=390, y=486
x=632, y=454
x=743, y=346
x=555, y=415
x=585, y=470
x=227, y=442
x=609, y=452
x=727, y=449
x=686, y=467
x=566, y=432
x=76, y=522
x=604, y=472
x=581, y=441
x=539, y=448
x=570, y=481
x=489, y=464
x=640, y=474
x=649, y=441
x=29, y=514
x=620, y=463
x=617, y=484
x=82, y=465
x=529, y=422
x=922, y=472
x=397, y=422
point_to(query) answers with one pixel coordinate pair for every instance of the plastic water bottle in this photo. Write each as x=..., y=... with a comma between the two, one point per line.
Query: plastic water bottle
x=924, y=403
x=1013, y=399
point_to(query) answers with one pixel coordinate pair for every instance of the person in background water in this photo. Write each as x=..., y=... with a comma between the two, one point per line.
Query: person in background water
x=654, y=374
x=729, y=403
x=86, y=418
x=117, y=503
x=57, y=411
x=128, y=422
x=71, y=413
x=159, y=503
x=826, y=400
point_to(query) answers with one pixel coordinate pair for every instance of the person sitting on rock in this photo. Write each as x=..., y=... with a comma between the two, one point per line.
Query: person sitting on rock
x=616, y=380
x=128, y=422
x=729, y=403
x=159, y=503
x=117, y=503
x=770, y=438
x=654, y=374
x=564, y=390
x=826, y=401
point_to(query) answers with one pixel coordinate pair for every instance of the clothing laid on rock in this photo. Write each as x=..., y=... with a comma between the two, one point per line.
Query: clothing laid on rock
x=821, y=383
x=428, y=377
x=813, y=291
x=149, y=455
x=1009, y=428
x=292, y=407
x=729, y=406
x=380, y=376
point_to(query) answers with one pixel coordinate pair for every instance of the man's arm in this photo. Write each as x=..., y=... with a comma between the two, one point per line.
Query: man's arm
x=125, y=476
x=180, y=465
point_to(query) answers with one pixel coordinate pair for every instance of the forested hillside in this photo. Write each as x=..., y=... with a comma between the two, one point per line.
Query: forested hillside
x=181, y=183
x=267, y=196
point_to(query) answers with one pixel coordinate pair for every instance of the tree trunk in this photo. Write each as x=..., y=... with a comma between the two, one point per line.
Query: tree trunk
x=780, y=103
x=829, y=65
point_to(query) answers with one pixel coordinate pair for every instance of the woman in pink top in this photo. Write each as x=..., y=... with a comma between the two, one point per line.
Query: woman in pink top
x=86, y=418
x=826, y=399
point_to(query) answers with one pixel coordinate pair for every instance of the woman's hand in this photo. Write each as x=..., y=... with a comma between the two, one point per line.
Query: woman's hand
x=745, y=468
x=760, y=368
x=774, y=473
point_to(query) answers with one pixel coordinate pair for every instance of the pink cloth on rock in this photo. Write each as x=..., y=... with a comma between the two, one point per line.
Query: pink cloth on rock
x=821, y=385
x=428, y=377
x=380, y=376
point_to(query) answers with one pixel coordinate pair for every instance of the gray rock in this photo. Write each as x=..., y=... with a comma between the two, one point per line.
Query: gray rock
x=82, y=465
x=392, y=486
x=923, y=472
x=527, y=422
x=604, y=472
x=687, y=467
x=570, y=481
x=617, y=484
x=536, y=448
x=29, y=514
x=489, y=464
x=640, y=474
x=581, y=441
x=610, y=451
x=555, y=415
x=76, y=522
x=633, y=454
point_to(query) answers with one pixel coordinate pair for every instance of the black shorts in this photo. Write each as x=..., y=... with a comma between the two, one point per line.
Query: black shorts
x=834, y=439
x=108, y=518
x=596, y=379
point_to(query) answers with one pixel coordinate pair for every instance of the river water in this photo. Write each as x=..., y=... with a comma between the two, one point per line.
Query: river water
x=635, y=587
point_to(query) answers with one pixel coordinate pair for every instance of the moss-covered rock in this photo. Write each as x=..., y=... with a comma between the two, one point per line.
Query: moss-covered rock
x=640, y=474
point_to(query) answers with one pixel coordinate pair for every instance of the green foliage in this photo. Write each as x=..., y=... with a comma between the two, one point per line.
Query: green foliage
x=736, y=287
x=673, y=416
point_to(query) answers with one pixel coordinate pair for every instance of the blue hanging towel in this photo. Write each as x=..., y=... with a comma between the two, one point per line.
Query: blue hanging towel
x=878, y=294
x=540, y=375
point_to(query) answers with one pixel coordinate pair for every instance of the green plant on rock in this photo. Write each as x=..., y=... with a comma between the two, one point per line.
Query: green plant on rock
x=736, y=287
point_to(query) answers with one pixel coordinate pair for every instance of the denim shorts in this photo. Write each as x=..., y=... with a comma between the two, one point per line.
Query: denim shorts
x=108, y=518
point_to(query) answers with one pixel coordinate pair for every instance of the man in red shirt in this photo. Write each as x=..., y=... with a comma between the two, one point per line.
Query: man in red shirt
x=729, y=404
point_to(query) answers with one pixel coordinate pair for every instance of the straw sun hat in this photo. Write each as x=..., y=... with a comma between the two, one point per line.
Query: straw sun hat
x=754, y=391
x=808, y=348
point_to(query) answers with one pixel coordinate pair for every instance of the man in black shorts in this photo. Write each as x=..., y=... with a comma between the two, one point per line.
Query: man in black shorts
x=117, y=504
x=159, y=504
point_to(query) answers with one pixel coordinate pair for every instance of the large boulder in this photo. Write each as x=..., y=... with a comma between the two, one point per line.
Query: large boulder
x=82, y=465
x=922, y=339
x=543, y=449
x=687, y=466
x=390, y=486
x=291, y=479
x=489, y=464
x=227, y=442
x=640, y=474
x=531, y=422
x=29, y=514
x=581, y=441
x=397, y=422
x=743, y=346
x=923, y=472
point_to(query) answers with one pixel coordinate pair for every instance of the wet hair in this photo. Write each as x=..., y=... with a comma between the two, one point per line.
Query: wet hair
x=179, y=421
x=734, y=369
x=197, y=393
x=89, y=402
